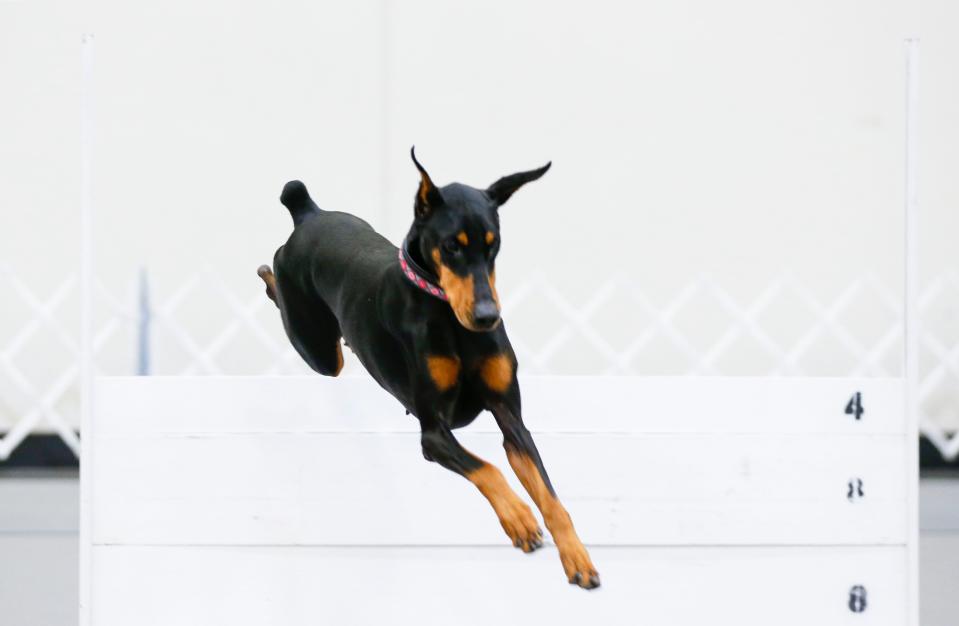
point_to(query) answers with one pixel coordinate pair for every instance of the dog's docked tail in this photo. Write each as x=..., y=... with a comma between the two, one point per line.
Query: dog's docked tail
x=297, y=199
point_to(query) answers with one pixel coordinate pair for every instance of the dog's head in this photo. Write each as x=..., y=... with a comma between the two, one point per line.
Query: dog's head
x=457, y=232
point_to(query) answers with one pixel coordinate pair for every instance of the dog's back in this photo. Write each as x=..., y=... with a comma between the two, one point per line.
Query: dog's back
x=330, y=249
x=330, y=277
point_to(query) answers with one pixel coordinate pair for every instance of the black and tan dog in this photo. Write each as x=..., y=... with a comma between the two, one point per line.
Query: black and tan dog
x=424, y=321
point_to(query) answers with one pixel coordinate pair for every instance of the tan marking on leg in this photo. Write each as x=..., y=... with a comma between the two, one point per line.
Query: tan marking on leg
x=514, y=515
x=462, y=238
x=339, y=358
x=490, y=237
x=444, y=370
x=572, y=552
x=497, y=372
x=458, y=289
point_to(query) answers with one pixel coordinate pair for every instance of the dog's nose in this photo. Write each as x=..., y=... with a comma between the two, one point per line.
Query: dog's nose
x=485, y=314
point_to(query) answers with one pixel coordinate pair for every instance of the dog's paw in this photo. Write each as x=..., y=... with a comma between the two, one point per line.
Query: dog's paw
x=576, y=563
x=521, y=526
x=266, y=274
x=592, y=582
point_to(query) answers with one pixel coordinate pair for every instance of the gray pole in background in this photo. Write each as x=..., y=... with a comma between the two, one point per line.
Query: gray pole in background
x=143, y=324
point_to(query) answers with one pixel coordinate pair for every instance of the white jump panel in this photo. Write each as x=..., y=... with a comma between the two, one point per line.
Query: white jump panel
x=376, y=489
x=580, y=404
x=309, y=586
x=298, y=498
x=325, y=462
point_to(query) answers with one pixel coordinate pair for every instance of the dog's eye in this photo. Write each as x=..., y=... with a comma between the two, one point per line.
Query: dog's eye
x=451, y=245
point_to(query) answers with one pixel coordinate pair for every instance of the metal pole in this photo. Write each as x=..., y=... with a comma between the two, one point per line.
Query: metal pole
x=86, y=365
x=911, y=324
x=143, y=324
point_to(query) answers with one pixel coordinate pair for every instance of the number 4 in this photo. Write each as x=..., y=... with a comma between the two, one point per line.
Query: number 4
x=854, y=406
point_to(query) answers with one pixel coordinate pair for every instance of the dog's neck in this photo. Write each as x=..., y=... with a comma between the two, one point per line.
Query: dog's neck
x=411, y=245
x=416, y=271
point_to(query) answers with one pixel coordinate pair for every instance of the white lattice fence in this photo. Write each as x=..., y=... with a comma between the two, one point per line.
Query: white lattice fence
x=39, y=357
x=939, y=353
x=743, y=322
x=786, y=329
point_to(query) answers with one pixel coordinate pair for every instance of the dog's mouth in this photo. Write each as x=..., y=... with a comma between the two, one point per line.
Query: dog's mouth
x=477, y=325
x=484, y=328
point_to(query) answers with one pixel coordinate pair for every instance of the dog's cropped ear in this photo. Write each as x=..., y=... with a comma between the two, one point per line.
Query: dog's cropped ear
x=427, y=195
x=500, y=191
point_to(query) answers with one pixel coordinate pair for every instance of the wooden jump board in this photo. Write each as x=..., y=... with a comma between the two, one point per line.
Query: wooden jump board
x=307, y=501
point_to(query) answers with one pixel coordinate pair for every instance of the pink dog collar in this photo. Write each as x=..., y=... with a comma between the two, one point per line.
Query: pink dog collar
x=414, y=274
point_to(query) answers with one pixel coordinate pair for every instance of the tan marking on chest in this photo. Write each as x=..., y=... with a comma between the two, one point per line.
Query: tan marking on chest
x=497, y=373
x=444, y=370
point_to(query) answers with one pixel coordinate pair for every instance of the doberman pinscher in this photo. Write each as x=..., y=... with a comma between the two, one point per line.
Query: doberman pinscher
x=424, y=321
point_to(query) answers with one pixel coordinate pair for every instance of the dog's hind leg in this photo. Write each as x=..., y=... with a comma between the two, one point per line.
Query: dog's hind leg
x=309, y=323
x=269, y=279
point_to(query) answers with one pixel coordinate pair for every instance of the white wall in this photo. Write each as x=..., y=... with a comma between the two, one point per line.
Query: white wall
x=739, y=138
x=690, y=134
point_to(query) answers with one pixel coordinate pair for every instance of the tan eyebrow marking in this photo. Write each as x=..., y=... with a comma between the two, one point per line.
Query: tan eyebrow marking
x=462, y=238
x=490, y=237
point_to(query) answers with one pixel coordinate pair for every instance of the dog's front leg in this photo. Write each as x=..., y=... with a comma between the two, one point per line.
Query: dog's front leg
x=437, y=385
x=528, y=466
x=514, y=515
